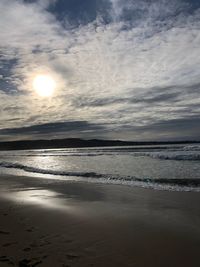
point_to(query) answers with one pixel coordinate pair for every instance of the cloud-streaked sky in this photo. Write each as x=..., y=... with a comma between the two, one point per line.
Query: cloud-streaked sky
x=124, y=69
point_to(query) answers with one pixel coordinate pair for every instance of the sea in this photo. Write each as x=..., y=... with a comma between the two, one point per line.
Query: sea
x=160, y=167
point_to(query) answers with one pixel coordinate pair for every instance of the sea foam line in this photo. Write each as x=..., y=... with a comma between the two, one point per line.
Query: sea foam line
x=160, y=184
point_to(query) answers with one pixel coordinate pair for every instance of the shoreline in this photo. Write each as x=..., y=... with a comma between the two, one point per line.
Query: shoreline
x=46, y=222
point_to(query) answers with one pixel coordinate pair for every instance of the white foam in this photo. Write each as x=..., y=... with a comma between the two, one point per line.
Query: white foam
x=158, y=184
x=171, y=155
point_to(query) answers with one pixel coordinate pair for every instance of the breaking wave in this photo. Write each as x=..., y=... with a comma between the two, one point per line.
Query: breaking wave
x=172, y=155
x=47, y=171
x=160, y=184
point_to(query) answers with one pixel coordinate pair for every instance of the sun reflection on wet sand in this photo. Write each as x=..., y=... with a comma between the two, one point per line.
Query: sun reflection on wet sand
x=42, y=197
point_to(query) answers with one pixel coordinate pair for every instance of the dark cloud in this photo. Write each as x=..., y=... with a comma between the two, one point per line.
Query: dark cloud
x=151, y=97
x=187, y=128
x=189, y=123
x=52, y=128
x=12, y=108
x=193, y=88
x=156, y=95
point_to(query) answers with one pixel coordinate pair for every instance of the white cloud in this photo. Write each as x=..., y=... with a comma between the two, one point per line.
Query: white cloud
x=98, y=61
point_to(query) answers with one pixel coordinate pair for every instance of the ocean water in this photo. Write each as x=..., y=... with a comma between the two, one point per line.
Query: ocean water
x=163, y=167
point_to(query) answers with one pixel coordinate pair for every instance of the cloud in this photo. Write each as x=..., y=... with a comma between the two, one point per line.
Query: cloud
x=138, y=65
x=74, y=128
x=188, y=128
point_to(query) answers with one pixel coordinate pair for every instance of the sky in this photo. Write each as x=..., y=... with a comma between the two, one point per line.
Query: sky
x=123, y=69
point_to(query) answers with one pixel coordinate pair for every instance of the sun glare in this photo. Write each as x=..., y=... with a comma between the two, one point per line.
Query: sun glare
x=44, y=85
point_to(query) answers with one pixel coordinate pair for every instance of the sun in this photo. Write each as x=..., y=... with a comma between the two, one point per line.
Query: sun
x=44, y=85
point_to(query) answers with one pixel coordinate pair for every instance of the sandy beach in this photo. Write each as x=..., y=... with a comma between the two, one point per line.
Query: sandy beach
x=48, y=222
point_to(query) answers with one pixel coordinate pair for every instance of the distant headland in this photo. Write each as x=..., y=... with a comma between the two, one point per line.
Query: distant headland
x=76, y=142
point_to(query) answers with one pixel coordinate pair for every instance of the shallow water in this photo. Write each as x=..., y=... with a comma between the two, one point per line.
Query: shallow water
x=169, y=167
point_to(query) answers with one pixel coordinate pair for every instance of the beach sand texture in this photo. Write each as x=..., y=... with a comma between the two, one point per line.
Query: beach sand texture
x=46, y=222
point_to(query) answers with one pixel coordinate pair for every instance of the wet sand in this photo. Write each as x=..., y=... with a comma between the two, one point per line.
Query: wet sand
x=46, y=222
